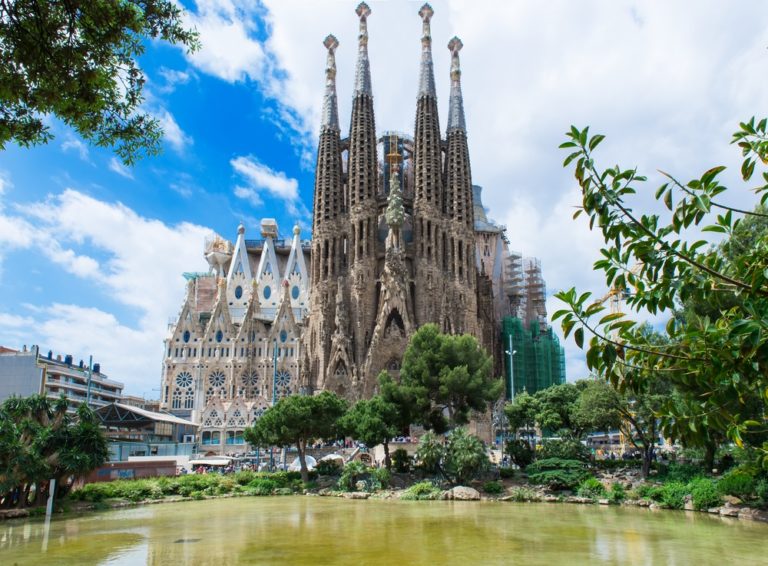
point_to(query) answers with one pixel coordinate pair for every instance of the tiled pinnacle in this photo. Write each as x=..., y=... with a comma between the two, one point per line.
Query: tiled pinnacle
x=363, y=71
x=456, y=104
x=330, y=117
x=426, y=73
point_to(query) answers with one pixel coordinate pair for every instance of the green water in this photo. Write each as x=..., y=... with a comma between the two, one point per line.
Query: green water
x=312, y=530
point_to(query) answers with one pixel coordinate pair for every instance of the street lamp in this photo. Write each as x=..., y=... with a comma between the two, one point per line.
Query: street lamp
x=510, y=352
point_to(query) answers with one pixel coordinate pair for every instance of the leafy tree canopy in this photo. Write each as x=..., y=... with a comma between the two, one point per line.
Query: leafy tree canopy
x=373, y=421
x=40, y=440
x=445, y=377
x=76, y=60
x=298, y=419
x=719, y=364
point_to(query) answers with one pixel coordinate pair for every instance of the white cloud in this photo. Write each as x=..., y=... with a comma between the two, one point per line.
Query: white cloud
x=172, y=133
x=173, y=77
x=76, y=145
x=14, y=321
x=143, y=261
x=5, y=182
x=249, y=195
x=119, y=168
x=229, y=50
x=260, y=177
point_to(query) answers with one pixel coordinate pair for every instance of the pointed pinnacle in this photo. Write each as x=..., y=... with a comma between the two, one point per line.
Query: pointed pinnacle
x=330, y=116
x=456, y=103
x=426, y=73
x=363, y=71
x=363, y=10
x=426, y=12
x=330, y=42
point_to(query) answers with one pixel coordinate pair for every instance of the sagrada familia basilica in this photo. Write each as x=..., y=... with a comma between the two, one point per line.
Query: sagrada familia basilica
x=398, y=241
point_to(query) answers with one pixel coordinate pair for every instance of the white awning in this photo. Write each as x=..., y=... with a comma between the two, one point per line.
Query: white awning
x=210, y=462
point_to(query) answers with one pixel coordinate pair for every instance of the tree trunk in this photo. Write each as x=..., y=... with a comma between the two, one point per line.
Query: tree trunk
x=647, y=459
x=23, y=496
x=41, y=490
x=709, y=456
x=301, y=446
x=387, y=461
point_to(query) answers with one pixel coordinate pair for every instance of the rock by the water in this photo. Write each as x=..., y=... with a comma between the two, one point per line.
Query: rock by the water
x=463, y=493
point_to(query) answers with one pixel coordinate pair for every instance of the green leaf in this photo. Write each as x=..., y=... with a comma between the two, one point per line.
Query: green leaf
x=578, y=336
x=596, y=139
x=668, y=200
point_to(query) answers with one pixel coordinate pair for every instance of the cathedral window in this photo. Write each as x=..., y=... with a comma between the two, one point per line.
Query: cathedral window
x=189, y=399
x=250, y=381
x=176, y=399
x=238, y=292
x=282, y=383
x=283, y=336
x=217, y=379
x=219, y=336
x=184, y=379
x=267, y=292
x=186, y=335
x=295, y=292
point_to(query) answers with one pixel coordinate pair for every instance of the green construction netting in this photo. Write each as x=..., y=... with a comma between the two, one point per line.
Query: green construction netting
x=534, y=356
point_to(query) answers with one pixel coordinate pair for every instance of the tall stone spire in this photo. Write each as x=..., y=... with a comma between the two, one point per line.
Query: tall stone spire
x=363, y=71
x=329, y=201
x=428, y=201
x=330, y=119
x=456, y=104
x=458, y=179
x=427, y=73
x=359, y=233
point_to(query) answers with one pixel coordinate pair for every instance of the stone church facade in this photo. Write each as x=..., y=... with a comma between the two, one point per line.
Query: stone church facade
x=395, y=245
x=393, y=242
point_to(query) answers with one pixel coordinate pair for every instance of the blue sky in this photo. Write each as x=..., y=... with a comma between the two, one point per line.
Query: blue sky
x=91, y=253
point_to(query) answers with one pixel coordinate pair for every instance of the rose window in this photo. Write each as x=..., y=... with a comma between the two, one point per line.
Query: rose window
x=250, y=379
x=217, y=379
x=184, y=379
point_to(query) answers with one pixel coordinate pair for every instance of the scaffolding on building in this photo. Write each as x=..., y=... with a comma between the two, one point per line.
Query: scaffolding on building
x=534, y=358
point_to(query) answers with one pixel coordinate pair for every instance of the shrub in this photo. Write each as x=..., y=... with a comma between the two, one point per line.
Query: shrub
x=704, y=494
x=557, y=473
x=261, y=486
x=616, y=464
x=380, y=478
x=520, y=452
x=681, y=472
x=738, y=483
x=244, y=477
x=506, y=473
x=521, y=494
x=430, y=453
x=567, y=448
x=647, y=491
x=465, y=457
x=761, y=490
x=401, y=462
x=493, y=487
x=672, y=495
x=328, y=468
x=352, y=473
x=617, y=494
x=421, y=491
x=591, y=487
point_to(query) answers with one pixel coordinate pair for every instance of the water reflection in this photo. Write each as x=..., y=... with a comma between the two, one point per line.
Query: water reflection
x=306, y=530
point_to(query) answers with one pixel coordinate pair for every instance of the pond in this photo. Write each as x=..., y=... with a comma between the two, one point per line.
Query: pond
x=313, y=530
